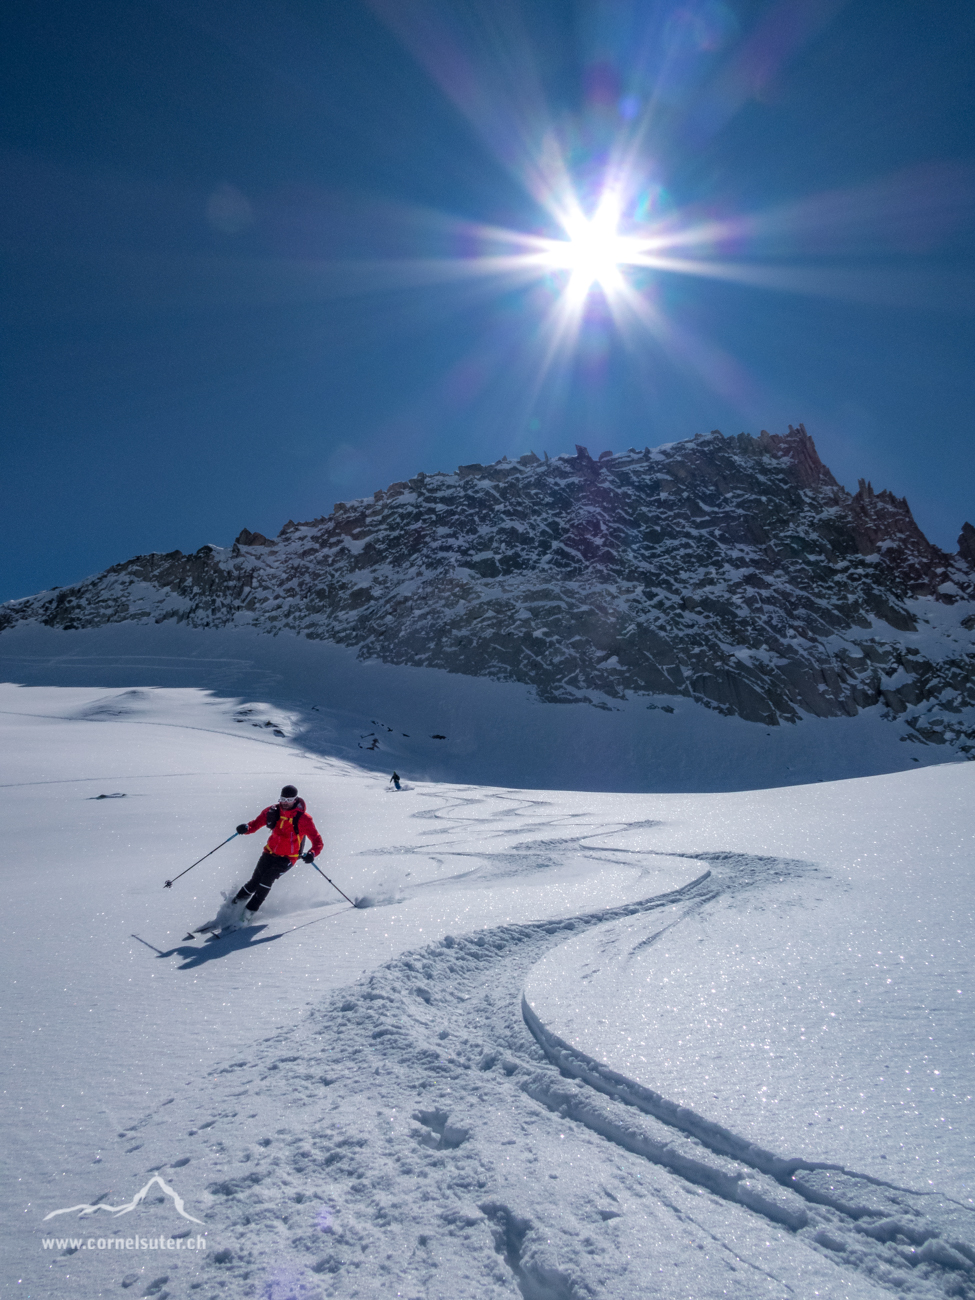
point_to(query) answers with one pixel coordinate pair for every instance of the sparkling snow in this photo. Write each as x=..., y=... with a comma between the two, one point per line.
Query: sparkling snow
x=827, y=1010
x=352, y=1102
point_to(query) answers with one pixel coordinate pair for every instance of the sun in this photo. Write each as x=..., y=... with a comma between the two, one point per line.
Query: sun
x=592, y=252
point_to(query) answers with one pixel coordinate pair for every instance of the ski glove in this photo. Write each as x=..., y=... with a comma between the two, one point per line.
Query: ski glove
x=242, y=828
x=308, y=857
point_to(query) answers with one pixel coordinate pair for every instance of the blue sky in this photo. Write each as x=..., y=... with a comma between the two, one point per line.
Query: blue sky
x=246, y=250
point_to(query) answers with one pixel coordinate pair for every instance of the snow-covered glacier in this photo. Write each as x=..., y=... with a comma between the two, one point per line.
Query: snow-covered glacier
x=734, y=575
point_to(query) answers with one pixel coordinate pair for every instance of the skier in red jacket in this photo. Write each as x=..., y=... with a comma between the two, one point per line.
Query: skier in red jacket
x=289, y=823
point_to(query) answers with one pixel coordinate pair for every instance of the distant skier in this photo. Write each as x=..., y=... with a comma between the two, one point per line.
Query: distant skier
x=289, y=823
x=395, y=780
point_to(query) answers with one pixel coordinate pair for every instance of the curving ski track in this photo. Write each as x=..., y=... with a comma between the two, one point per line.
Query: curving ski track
x=406, y=1139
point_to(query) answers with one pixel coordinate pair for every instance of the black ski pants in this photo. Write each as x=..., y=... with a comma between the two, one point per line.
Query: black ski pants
x=269, y=867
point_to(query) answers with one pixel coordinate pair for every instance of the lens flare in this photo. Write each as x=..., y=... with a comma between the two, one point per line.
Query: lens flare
x=592, y=253
x=604, y=235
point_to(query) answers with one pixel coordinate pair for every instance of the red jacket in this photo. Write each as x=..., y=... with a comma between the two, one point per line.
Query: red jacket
x=292, y=825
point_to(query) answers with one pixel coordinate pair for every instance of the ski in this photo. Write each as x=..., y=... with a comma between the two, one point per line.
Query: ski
x=214, y=931
x=206, y=928
x=205, y=933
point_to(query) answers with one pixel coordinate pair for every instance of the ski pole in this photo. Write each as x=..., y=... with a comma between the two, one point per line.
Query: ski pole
x=331, y=882
x=169, y=883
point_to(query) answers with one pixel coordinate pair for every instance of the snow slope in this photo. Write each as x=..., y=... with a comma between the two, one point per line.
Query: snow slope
x=826, y=1011
x=434, y=725
x=350, y=1102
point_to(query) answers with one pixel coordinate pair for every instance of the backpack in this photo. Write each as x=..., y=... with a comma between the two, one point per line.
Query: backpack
x=274, y=815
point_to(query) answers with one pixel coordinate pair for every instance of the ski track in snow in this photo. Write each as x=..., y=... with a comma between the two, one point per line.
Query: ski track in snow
x=421, y=1134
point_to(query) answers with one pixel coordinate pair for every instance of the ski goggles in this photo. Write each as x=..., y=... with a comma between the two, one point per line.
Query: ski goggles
x=288, y=803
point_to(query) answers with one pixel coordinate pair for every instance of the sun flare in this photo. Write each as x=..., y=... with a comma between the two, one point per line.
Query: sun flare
x=593, y=251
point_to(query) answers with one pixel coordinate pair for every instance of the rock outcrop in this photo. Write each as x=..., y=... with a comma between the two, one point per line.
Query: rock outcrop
x=733, y=571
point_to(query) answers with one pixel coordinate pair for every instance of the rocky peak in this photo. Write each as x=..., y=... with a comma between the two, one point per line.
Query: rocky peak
x=246, y=538
x=883, y=524
x=797, y=447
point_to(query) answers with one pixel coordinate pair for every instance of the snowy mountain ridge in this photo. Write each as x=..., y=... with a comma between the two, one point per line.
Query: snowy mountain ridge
x=735, y=572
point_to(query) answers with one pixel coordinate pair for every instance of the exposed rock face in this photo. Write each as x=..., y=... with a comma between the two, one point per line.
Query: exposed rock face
x=966, y=544
x=734, y=571
x=246, y=538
